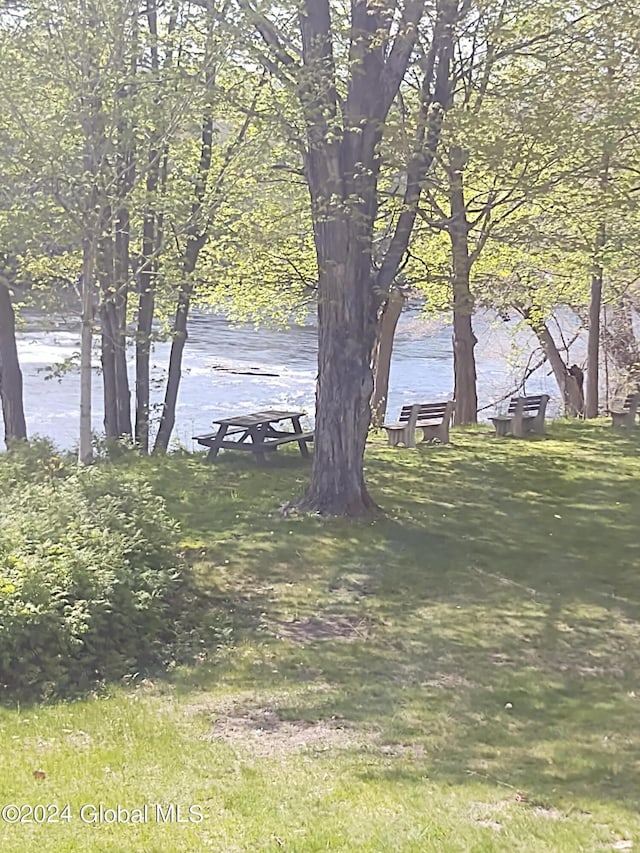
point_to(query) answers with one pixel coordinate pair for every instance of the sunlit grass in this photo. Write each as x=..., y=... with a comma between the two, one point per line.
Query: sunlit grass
x=458, y=674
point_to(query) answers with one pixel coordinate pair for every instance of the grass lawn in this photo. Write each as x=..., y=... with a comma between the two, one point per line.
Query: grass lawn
x=462, y=674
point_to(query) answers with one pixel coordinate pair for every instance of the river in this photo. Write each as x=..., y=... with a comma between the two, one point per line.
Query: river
x=283, y=362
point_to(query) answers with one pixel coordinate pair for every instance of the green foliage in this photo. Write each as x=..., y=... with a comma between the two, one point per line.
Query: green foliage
x=91, y=586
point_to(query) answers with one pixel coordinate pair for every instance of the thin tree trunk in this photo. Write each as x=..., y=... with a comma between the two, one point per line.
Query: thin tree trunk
x=464, y=340
x=595, y=299
x=622, y=348
x=15, y=427
x=388, y=317
x=119, y=322
x=104, y=274
x=85, y=450
x=593, y=340
x=152, y=237
x=194, y=243
x=197, y=234
x=109, y=382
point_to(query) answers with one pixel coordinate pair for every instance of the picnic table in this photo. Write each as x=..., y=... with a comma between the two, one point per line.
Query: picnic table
x=256, y=432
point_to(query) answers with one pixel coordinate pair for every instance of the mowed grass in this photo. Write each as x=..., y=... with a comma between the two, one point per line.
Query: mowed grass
x=460, y=674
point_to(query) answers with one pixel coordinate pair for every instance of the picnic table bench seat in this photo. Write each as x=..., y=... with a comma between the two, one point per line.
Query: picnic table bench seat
x=432, y=418
x=626, y=415
x=207, y=440
x=525, y=414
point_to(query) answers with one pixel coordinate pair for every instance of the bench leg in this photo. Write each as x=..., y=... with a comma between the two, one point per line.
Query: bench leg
x=393, y=437
x=214, y=447
x=517, y=427
x=304, y=450
x=502, y=425
x=621, y=419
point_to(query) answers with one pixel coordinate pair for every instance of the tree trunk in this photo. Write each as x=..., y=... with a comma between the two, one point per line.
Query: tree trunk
x=146, y=276
x=464, y=340
x=622, y=348
x=85, y=450
x=119, y=322
x=595, y=300
x=147, y=269
x=180, y=335
x=15, y=427
x=197, y=233
x=346, y=336
x=104, y=274
x=569, y=379
x=593, y=340
x=388, y=317
x=109, y=383
x=194, y=243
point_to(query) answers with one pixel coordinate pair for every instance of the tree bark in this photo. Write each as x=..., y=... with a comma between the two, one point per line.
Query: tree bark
x=118, y=311
x=152, y=238
x=85, y=449
x=388, y=317
x=342, y=166
x=194, y=242
x=464, y=340
x=569, y=379
x=621, y=347
x=593, y=340
x=104, y=274
x=346, y=336
x=15, y=427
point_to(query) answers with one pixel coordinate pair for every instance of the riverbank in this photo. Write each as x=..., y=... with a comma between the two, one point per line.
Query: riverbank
x=459, y=674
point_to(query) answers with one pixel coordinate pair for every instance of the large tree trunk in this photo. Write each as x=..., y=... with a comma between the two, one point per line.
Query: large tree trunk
x=346, y=336
x=15, y=427
x=388, y=317
x=342, y=168
x=464, y=340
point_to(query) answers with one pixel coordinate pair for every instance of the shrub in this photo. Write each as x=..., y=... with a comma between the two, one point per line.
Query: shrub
x=34, y=461
x=91, y=587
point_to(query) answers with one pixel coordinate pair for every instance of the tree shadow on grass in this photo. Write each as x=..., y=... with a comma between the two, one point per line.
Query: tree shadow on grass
x=503, y=573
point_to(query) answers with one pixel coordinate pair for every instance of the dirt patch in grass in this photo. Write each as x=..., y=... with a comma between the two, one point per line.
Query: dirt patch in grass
x=328, y=627
x=266, y=734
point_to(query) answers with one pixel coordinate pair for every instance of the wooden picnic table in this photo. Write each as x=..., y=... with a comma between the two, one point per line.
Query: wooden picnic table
x=255, y=432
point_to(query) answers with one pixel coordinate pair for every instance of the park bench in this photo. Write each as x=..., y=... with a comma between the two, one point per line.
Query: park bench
x=432, y=418
x=525, y=414
x=626, y=416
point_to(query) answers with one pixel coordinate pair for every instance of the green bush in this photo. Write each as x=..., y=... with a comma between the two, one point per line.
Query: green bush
x=34, y=461
x=91, y=586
